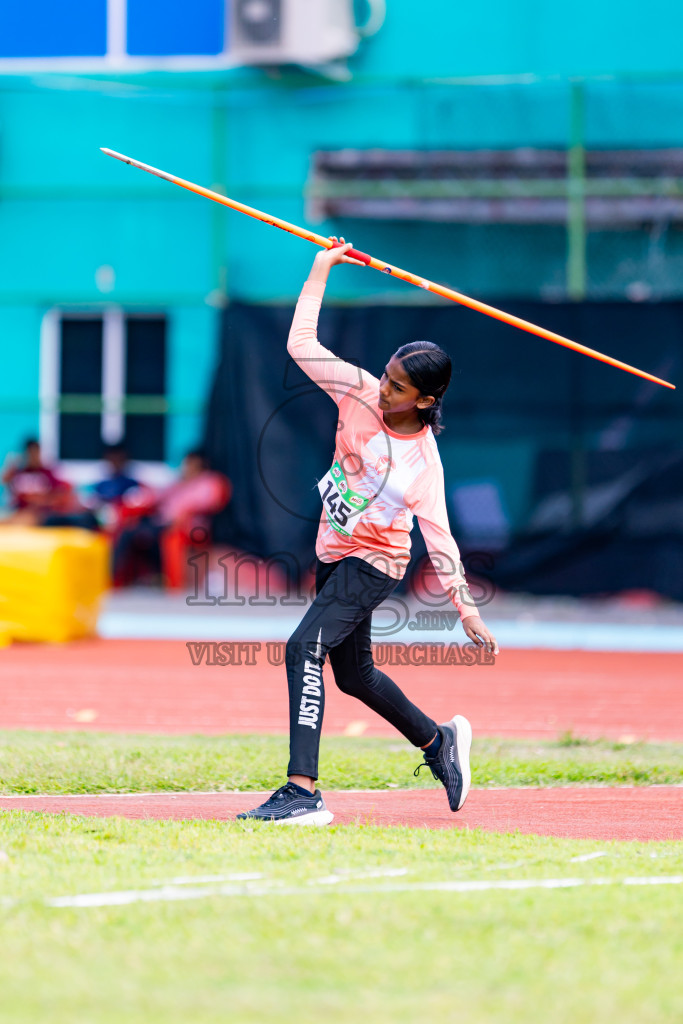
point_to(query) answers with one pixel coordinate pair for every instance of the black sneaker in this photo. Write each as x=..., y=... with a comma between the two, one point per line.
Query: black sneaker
x=451, y=766
x=287, y=806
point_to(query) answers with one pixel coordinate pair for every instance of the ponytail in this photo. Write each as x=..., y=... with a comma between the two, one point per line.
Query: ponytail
x=431, y=416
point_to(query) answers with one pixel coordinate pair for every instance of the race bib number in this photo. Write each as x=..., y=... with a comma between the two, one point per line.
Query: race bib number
x=343, y=507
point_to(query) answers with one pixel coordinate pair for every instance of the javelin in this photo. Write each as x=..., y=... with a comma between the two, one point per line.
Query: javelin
x=387, y=268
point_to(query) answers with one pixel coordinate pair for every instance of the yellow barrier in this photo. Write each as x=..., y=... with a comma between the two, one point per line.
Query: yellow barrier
x=52, y=581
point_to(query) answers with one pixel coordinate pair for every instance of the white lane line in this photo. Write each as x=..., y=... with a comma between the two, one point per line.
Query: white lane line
x=655, y=880
x=170, y=893
x=250, y=794
x=350, y=876
x=162, y=894
x=175, y=794
x=246, y=876
x=528, y=861
x=174, y=889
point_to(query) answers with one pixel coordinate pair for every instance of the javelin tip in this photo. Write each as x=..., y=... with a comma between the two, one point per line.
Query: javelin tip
x=117, y=156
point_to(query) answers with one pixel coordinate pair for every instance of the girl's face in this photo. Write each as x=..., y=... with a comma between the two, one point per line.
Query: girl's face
x=397, y=393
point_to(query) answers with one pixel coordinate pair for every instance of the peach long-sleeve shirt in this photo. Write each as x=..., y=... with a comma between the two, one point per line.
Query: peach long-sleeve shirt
x=379, y=479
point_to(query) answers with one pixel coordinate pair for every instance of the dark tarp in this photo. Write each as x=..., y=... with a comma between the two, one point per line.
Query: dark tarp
x=629, y=534
x=606, y=503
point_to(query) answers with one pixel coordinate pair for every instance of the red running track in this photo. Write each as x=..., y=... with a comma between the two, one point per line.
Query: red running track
x=152, y=686
x=628, y=813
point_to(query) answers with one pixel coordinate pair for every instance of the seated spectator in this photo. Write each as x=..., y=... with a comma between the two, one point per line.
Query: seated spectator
x=34, y=489
x=117, y=483
x=162, y=534
x=38, y=497
x=118, y=498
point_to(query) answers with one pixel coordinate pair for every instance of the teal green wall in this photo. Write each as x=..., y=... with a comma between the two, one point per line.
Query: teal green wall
x=65, y=209
x=494, y=37
x=19, y=331
x=191, y=353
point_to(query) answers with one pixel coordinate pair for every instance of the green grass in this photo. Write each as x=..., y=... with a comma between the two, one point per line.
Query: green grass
x=593, y=954
x=80, y=762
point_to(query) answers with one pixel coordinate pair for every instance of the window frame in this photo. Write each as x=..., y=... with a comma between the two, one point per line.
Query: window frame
x=112, y=389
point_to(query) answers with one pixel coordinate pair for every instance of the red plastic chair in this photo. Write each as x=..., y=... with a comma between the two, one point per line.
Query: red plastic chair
x=180, y=539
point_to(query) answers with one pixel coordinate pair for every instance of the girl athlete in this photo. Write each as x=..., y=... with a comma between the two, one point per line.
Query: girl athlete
x=386, y=468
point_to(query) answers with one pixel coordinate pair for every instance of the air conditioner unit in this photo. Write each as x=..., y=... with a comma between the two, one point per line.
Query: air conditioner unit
x=307, y=32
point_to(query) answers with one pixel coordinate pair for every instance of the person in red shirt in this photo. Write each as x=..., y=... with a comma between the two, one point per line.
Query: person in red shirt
x=35, y=491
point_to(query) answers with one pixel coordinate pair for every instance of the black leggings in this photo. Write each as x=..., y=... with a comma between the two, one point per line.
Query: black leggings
x=338, y=623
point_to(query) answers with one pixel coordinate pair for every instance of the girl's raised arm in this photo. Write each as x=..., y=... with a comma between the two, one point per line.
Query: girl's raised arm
x=332, y=374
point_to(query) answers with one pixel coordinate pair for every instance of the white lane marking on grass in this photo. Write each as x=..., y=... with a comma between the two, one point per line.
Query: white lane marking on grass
x=527, y=862
x=173, y=889
x=190, y=794
x=175, y=794
x=655, y=880
x=245, y=876
x=171, y=893
x=164, y=894
x=351, y=875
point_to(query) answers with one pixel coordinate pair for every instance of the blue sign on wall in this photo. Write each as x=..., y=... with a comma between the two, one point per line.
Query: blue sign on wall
x=44, y=28
x=48, y=29
x=175, y=27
